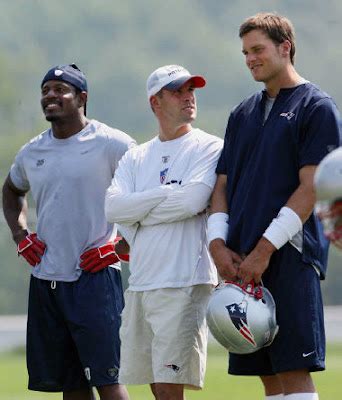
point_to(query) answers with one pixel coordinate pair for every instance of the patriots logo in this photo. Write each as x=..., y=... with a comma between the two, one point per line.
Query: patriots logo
x=287, y=115
x=163, y=175
x=238, y=316
x=174, y=367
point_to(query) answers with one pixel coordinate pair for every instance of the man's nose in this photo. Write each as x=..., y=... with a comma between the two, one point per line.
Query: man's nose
x=250, y=58
x=189, y=96
x=50, y=93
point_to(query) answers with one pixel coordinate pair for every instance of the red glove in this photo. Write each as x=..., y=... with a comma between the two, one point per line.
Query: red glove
x=96, y=259
x=31, y=249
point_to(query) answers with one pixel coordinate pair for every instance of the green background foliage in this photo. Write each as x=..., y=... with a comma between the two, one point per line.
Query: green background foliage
x=117, y=44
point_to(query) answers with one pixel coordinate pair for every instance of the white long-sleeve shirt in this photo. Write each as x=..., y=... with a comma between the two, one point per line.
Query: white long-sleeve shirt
x=157, y=196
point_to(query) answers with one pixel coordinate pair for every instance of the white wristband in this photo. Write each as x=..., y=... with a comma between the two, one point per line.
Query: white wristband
x=283, y=227
x=218, y=226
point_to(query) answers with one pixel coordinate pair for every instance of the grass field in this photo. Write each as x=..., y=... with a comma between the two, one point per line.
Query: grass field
x=219, y=386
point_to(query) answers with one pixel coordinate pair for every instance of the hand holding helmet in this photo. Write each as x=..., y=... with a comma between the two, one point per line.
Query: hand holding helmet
x=242, y=317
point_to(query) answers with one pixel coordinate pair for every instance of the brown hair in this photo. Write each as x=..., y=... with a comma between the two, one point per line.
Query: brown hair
x=276, y=27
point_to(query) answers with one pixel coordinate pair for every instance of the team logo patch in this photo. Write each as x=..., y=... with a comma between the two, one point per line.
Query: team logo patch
x=287, y=115
x=238, y=316
x=39, y=163
x=163, y=175
x=112, y=372
x=174, y=367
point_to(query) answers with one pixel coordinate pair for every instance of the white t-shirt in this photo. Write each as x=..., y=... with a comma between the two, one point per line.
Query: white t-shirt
x=68, y=179
x=156, y=194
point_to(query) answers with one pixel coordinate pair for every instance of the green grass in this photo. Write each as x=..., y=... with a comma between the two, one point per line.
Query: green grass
x=218, y=386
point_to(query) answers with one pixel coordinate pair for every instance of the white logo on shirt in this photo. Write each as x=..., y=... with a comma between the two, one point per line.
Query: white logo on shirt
x=87, y=373
x=288, y=115
x=308, y=354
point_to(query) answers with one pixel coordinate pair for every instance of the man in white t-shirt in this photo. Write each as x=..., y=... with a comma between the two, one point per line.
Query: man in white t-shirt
x=158, y=196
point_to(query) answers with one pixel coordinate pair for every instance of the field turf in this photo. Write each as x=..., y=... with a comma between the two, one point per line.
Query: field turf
x=218, y=385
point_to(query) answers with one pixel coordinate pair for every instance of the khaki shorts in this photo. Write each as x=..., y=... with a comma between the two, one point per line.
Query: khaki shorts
x=164, y=336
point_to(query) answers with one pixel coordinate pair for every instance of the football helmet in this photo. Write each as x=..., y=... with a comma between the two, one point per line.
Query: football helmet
x=242, y=318
x=328, y=185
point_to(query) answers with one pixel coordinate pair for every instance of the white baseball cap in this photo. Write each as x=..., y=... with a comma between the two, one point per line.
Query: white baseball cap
x=171, y=77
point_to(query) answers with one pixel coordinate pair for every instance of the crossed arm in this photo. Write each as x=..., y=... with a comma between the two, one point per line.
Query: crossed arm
x=127, y=206
x=164, y=204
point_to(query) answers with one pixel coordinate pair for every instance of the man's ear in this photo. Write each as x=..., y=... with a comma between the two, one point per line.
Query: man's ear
x=286, y=48
x=82, y=98
x=154, y=103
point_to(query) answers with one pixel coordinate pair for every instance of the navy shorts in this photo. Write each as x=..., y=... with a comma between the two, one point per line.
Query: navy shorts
x=300, y=343
x=73, y=332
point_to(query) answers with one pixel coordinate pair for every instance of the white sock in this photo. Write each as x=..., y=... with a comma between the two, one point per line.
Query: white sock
x=275, y=397
x=302, y=396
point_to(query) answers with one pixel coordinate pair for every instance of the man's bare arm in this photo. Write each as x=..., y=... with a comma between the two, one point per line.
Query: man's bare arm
x=15, y=210
x=226, y=260
x=302, y=202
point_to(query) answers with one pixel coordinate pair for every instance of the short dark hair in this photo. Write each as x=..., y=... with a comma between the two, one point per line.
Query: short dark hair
x=276, y=27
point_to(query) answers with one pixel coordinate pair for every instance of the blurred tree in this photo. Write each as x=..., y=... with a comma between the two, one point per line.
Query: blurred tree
x=117, y=44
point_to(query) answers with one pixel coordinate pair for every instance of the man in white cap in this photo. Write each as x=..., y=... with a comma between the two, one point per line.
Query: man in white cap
x=158, y=196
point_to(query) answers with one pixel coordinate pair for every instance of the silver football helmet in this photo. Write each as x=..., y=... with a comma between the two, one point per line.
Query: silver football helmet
x=328, y=185
x=242, y=318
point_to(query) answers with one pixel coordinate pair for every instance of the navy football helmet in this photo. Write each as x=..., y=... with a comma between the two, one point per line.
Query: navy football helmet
x=242, y=318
